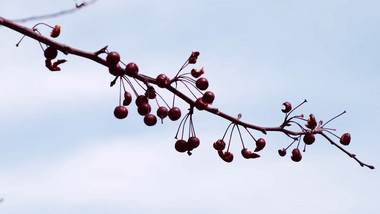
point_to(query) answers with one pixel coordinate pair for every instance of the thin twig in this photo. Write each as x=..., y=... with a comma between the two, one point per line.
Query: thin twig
x=55, y=14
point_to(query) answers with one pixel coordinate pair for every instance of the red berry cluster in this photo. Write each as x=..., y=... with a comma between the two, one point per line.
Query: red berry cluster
x=193, y=142
x=227, y=156
x=196, y=84
x=50, y=52
x=309, y=130
x=142, y=101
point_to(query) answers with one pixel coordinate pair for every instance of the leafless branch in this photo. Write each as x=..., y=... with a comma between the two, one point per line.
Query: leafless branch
x=311, y=129
x=55, y=14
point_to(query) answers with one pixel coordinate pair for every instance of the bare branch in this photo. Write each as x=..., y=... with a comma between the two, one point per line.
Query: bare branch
x=310, y=129
x=59, y=13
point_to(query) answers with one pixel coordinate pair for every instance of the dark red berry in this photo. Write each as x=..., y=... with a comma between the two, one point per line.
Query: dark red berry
x=288, y=107
x=50, y=53
x=208, y=97
x=131, y=69
x=282, y=152
x=309, y=138
x=311, y=122
x=228, y=157
x=150, y=120
x=144, y=109
x=345, y=139
x=193, y=142
x=245, y=153
x=181, y=146
x=248, y=154
x=127, y=98
x=141, y=99
x=150, y=92
x=116, y=70
x=202, y=83
x=196, y=73
x=193, y=58
x=200, y=105
x=120, y=112
x=113, y=58
x=219, y=144
x=195, y=54
x=260, y=144
x=56, y=31
x=174, y=113
x=296, y=155
x=162, y=112
x=162, y=81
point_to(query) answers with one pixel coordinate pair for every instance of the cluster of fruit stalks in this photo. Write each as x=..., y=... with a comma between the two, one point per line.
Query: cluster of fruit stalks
x=197, y=87
x=197, y=84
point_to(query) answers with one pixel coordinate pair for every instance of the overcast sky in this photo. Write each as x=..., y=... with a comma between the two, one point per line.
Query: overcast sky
x=62, y=150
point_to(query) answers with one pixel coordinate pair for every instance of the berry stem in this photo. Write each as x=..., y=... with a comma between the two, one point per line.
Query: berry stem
x=291, y=144
x=120, y=91
x=229, y=141
x=225, y=132
x=184, y=83
x=348, y=153
x=183, y=66
x=131, y=85
x=296, y=107
x=250, y=134
x=241, y=138
x=334, y=118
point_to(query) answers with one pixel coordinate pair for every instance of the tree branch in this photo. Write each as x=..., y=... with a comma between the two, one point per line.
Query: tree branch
x=94, y=56
x=55, y=14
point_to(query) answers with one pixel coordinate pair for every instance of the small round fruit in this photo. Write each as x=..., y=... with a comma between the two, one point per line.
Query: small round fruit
x=282, y=152
x=260, y=144
x=208, y=97
x=311, y=122
x=50, y=53
x=309, y=138
x=144, y=109
x=174, y=113
x=245, y=153
x=345, y=139
x=131, y=69
x=120, y=112
x=141, y=99
x=150, y=93
x=202, y=83
x=113, y=58
x=162, y=112
x=181, y=146
x=200, y=105
x=116, y=70
x=192, y=60
x=150, y=120
x=248, y=154
x=127, y=98
x=196, y=73
x=228, y=157
x=193, y=142
x=219, y=145
x=162, y=81
x=288, y=107
x=56, y=31
x=296, y=155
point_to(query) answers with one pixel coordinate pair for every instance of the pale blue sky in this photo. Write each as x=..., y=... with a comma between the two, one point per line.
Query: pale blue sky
x=62, y=151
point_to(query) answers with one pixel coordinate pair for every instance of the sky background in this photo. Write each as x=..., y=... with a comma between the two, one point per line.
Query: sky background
x=62, y=151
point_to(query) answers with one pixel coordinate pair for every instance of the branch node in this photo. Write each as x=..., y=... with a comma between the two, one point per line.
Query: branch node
x=103, y=50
